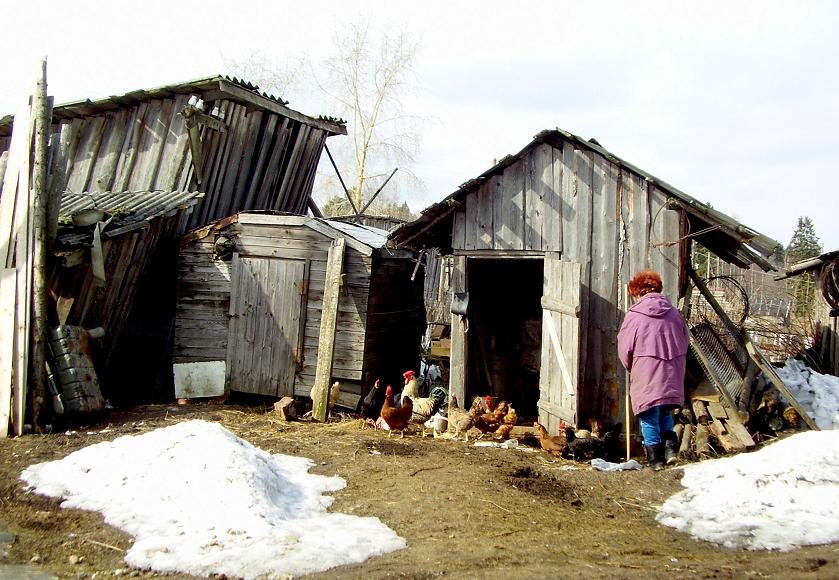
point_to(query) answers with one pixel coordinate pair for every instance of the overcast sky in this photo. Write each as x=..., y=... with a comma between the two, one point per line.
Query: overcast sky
x=732, y=102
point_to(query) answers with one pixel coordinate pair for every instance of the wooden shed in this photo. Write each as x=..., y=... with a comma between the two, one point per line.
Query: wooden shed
x=251, y=293
x=162, y=161
x=539, y=250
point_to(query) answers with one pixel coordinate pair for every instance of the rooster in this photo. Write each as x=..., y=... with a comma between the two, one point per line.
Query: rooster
x=411, y=388
x=396, y=418
x=425, y=407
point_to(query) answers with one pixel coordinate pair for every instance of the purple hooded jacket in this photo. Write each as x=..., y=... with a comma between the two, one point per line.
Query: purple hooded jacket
x=652, y=345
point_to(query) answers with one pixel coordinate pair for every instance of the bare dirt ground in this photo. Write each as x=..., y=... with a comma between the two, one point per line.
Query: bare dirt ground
x=466, y=512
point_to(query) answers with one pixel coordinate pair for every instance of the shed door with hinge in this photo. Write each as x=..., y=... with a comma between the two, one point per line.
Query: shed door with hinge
x=559, y=374
x=264, y=328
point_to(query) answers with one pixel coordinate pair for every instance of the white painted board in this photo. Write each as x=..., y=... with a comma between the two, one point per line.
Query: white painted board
x=199, y=379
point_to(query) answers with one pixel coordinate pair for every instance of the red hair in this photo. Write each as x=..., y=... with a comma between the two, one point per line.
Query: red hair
x=645, y=282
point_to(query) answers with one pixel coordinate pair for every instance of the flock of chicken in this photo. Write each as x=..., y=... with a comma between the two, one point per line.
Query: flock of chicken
x=396, y=412
x=582, y=444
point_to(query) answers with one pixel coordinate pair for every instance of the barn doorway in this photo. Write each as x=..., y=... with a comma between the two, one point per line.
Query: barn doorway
x=505, y=331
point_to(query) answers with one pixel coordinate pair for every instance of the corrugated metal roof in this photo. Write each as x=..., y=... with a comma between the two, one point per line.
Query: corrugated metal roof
x=128, y=210
x=220, y=83
x=373, y=237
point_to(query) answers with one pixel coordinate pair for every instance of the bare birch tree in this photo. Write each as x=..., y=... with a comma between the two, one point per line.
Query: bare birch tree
x=369, y=77
x=365, y=80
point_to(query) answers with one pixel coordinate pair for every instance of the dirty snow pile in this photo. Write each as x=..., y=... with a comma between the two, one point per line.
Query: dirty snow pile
x=816, y=393
x=783, y=496
x=199, y=500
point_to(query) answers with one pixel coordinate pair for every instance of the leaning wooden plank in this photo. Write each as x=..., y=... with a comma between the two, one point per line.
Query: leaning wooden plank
x=23, y=227
x=7, y=323
x=4, y=159
x=18, y=150
x=326, y=341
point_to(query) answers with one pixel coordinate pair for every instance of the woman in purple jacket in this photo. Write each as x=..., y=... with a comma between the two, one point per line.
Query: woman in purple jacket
x=652, y=345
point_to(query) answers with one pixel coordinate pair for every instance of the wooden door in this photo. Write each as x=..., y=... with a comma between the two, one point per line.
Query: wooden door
x=560, y=373
x=263, y=342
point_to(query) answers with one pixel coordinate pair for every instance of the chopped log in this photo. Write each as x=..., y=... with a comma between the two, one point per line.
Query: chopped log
x=729, y=444
x=717, y=411
x=687, y=439
x=686, y=413
x=701, y=412
x=679, y=429
x=702, y=447
x=737, y=430
x=285, y=408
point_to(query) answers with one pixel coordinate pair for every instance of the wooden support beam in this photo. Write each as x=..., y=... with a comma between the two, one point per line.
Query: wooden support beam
x=328, y=320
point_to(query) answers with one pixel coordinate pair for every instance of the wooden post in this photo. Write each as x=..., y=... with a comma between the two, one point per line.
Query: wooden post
x=626, y=383
x=39, y=288
x=328, y=320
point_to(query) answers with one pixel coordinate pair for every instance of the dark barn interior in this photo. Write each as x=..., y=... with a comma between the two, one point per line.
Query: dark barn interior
x=505, y=322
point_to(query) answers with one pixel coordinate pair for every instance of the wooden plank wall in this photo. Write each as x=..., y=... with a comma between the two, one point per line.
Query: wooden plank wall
x=203, y=303
x=611, y=221
x=295, y=243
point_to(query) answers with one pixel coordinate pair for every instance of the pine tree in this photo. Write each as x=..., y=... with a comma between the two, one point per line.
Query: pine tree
x=803, y=245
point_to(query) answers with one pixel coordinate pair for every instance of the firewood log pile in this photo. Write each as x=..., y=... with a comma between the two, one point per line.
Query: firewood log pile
x=708, y=428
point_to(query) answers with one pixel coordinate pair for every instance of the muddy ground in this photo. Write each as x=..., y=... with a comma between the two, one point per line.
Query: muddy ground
x=466, y=512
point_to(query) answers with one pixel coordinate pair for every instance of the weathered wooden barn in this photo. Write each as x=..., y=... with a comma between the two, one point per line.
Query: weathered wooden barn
x=251, y=300
x=160, y=162
x=539, y=250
